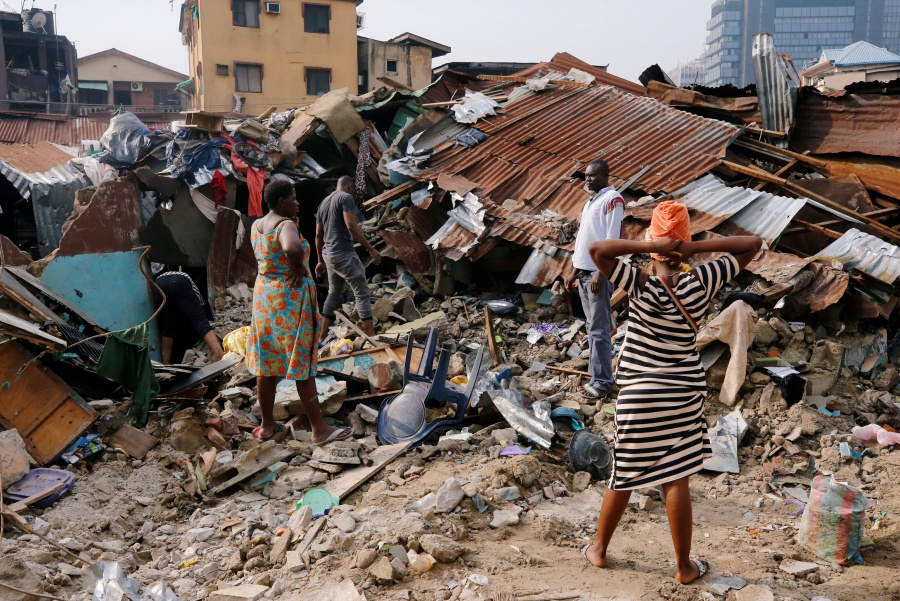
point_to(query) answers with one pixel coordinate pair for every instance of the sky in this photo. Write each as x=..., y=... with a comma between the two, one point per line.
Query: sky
x=629, y=35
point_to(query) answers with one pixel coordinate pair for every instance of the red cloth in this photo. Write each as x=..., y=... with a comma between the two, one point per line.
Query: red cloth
x=256, y=181
x=220, y=188
x=670, y=220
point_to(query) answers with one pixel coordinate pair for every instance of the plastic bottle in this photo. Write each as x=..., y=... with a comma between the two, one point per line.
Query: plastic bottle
x=421, y=562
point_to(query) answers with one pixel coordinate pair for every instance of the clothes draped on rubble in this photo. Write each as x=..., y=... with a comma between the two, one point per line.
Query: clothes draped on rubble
x=126, y=360
x=362, y=162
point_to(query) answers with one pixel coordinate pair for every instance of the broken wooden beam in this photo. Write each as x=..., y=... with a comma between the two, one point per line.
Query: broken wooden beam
x=392, y=194
x=747, y=141
x=492, y=342
x=876, y=226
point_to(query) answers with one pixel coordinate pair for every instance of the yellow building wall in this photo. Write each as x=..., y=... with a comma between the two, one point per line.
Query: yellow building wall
x=280, y=45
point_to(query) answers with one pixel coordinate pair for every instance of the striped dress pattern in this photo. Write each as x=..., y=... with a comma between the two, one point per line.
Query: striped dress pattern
x=660, y=428
x=285, y=323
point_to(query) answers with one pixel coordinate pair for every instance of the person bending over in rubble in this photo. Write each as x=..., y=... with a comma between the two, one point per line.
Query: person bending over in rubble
x=661, y=436
x=337, y=226
x=184, y=320
x=283, y=329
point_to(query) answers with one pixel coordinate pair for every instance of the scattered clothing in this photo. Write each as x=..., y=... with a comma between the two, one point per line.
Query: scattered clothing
x=285, y=322
x=126, y=360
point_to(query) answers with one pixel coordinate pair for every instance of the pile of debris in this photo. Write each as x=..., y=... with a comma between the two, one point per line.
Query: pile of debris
x=475, y=464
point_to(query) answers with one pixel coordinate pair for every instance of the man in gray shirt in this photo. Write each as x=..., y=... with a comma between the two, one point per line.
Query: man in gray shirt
x=337, y=226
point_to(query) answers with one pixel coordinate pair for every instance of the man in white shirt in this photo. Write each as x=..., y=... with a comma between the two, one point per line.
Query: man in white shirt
x=601, y=219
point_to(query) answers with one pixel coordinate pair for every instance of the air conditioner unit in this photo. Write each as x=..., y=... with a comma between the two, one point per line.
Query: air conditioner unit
x=273, y=8
x=137, y=86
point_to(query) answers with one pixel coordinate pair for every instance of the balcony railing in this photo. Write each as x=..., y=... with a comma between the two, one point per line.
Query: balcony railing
x=89, y=109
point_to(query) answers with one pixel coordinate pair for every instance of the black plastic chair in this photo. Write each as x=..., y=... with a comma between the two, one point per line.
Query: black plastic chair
x=402, y=418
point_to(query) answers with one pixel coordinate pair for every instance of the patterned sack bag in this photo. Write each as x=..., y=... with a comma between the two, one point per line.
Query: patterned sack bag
x=833, y=521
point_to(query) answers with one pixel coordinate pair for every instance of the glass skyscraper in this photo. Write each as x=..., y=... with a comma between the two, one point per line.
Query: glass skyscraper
x=801, y=28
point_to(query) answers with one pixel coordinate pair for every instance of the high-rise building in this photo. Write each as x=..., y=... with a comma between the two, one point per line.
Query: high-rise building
x=801, y=28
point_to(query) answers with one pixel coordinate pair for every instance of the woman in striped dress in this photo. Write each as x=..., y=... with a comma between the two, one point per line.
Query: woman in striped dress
x=661, y=436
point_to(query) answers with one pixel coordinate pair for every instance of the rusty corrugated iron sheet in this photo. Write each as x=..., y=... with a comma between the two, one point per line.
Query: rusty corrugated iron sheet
x=777, y=267
x=115, y=210
x=30, y=129
x=868, y=254
x=827, y=288
x=534, y=146
x=866, y=123
x=563, y=62
x=879, y=174
x=410, y=249
x=231, y=259
x=741, y=109
x=33, y=158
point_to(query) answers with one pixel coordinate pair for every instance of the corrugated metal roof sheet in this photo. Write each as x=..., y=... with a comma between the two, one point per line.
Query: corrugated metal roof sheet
x=868, y=254
x=33, y=158
x=66, y=132
x=535, y=145
x=866, y=123
x=563, y=62
x=777, y=83
x=760, y=213
x=861, y=53
x=35, y=169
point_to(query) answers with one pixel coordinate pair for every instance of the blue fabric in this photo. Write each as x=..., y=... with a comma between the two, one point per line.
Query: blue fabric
x=599, y=330
x=206, y=155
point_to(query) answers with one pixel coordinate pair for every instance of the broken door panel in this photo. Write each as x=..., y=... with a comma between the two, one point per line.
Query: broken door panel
x=47, y=413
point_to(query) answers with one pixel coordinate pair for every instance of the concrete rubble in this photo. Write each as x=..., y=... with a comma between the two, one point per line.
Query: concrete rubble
x=191, y=502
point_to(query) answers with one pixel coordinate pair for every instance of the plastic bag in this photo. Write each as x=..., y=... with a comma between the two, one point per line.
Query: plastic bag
x=833, y=521
x=236, y=341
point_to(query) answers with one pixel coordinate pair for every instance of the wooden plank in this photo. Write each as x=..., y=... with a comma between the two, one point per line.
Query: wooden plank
x=565, y=370
x=392, y=194
x=136, y=443
x=16, y=291
x=492, y=342
x=349, y=323
x=350, y=480
x=311, y=535
x=26, y=278
x=48, y=414
x=878, y=227
x=746, y=141
x=557, y=82
x=25, y=503
x=783, y=171
x=618, y=296
x=15, y=326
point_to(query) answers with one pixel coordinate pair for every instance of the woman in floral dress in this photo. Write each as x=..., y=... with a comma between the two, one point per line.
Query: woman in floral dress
x=284, y=327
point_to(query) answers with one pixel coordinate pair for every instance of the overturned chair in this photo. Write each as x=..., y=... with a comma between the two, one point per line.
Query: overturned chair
x=405, y=416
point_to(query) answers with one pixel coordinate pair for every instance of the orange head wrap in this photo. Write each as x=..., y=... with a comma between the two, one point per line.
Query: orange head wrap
x=670, y=220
